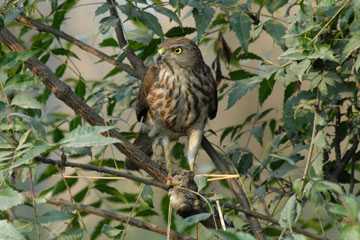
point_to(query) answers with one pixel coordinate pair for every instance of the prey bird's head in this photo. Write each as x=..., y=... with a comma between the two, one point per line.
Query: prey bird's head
x=180, y=51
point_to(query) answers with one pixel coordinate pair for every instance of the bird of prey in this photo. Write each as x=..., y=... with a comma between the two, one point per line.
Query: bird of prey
x=176, y=98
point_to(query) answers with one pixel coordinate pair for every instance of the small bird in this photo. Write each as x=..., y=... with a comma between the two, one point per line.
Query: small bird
x=176, y=98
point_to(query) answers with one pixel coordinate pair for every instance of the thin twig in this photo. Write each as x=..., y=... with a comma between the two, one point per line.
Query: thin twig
x=90, y=177
x=34, y=204
x=102, y=170
x=45, y=28
x=270, y=220
x=112, y=215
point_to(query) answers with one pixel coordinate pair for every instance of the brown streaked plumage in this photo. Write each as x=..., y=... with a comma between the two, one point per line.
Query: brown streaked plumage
x=176, y=98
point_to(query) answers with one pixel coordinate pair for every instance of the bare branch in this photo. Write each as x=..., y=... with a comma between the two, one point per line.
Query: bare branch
x=270, y=220
x=220, y=163
x=135, y=61
x=44, y=28
x=111, y=215
x=102, y=170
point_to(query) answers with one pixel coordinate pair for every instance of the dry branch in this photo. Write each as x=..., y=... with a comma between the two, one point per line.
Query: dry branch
x=111, y=215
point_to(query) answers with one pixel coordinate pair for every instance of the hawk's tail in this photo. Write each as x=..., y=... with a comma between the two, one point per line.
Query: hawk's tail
x=144, y=143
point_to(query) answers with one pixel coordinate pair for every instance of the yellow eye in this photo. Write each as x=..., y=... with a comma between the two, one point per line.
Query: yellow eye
x=177, y=50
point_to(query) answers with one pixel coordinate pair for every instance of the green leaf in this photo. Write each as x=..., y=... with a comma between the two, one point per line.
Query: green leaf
x=53, y=217
x=170, y=14
x=258, y=133
x=21, y=82
x=26, y=101
x=202, y=19
x=72, y=234
x=225, y=235
x=147, y=195
x=274, y=5
x=59, y=72
x=10, y=198
x=81, y=131
x=8, y=231
x=245, y=163
x=109, y=42
x=103, y=8
x=240, y=74
x=266, y=87
x=350, y=232
x=38, y=149
x=23, y=226
x=239, y=89
x=352, y=45
x=90, y=140
x=277, y=31
x=302, y=67
x=192, y=220
x=64, y=52
x=110, y=231
x=241, y=25
x=151, y=22
x=200, y=182
x=320, y=140
x=338, y=210
x=11, y=57
x=22, y=139
x=324, y=52
x=290, y=212
x=111, y=191
x=179, y=32
x=138, y=35
x=107, y=22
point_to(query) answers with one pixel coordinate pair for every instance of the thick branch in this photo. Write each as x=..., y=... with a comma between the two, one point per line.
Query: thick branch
x=64, y=93
x=220, y=163
x=102, y=170
x=270, y=220
x=111, y=215
x=44, y=28
x=135, y=61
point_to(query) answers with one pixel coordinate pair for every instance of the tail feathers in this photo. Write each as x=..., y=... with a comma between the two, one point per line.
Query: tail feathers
x=144, y=143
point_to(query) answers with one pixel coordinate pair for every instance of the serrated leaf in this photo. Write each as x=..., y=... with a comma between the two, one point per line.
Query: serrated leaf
x=107, y=22
x=274, y=5
x=138, y=35
x=290, y=212
x=72, y=234
x=109, y=42
x=110, y=231
x=258, y=133
x=38, y=149
x=200, y=182
x=239, y=89
x=338, y=210
x=277, y=31
x=320, y=140
x=266, y=87
x=192, y=220
x=170, y=14
x=22, y=139
x=102, y=9
x=147, y=195
x=151, y=22
x=80, y=131
x=54, y=217
x=21, y=82
x=14, y=56
x=202, y=19
x=10, y=198
x=22, y=226
x=64, y=52
x=301, y=68
x=8, y=231
x=352, y=45
x=26, y=101
x=91, y=140
x=245, y=163
x=240, y=74
x=179, y=32
x=241, y=25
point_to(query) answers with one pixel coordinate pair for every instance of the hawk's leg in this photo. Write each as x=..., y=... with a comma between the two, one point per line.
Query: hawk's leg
x=165, y=142
x=195, y=138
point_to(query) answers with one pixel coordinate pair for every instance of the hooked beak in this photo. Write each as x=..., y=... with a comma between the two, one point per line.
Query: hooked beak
x=160, y=55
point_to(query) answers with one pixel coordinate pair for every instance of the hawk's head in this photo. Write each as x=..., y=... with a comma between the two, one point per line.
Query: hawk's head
x=180, y=51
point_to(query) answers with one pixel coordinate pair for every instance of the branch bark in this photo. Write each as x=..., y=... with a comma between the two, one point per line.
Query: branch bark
x=102, y=170
x=44, y=28
x=135, y=61
x=235, y=186
x=111, y=215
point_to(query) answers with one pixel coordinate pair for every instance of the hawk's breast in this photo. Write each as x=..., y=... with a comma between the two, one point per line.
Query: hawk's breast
x=179, y=100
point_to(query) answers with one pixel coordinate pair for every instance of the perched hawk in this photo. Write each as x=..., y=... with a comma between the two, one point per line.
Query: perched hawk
x=177, y=96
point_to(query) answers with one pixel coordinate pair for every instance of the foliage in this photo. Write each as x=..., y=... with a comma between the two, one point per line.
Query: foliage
x=308, y=159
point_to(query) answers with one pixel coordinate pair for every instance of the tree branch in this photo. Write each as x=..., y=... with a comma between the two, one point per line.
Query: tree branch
x=111, y=215
x=44, y=28
x=220, y=163
x=64, y=93
x=135, y=61
x=102, y=170
x=270, y=220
